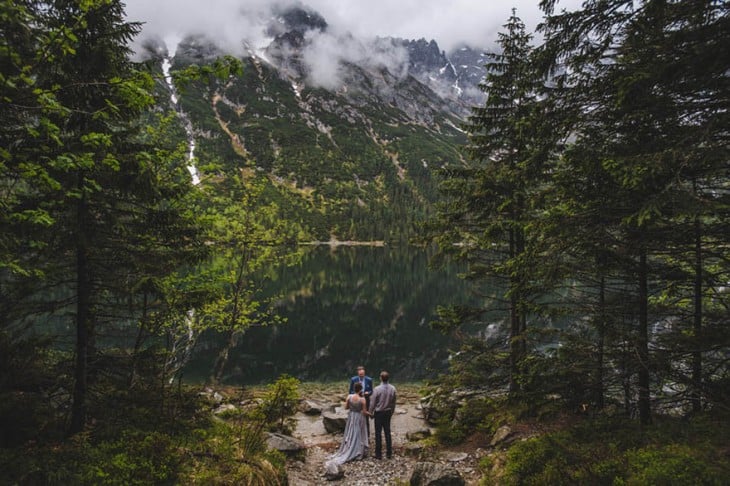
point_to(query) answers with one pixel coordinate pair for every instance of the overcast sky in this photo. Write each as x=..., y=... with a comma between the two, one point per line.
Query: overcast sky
x=449, y=22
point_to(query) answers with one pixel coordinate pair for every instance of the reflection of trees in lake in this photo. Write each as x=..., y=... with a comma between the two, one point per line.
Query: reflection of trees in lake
x=346, y=306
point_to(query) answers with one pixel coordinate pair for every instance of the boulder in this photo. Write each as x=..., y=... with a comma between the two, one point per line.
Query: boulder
x=226, y=407
x=501, y=435
x=428, y=408
x=310, y=407
x=433, y=474
x=455, y=456
x=413, y=449
x=284, y=443
x=334, y=422
x=333, y=472
x=418, y=434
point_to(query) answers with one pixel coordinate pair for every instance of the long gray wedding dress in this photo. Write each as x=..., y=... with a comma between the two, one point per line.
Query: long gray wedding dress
x=355, y=439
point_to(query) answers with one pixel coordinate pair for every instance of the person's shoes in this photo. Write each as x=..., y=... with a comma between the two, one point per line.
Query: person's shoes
x=389, y=456
x=378, y=457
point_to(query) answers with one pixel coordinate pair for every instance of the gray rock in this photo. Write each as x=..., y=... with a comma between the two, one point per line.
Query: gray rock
x=226, y=407
x=455, y=456
x=413, y=449
x=311, y=407
x=284, y=443
x=333, y=472
x=428, y=408
x=418, y=434
x=433, y=474
x=501, y=435
x=334, y=422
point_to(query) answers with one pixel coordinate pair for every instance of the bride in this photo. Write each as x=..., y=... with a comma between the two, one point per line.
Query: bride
x=355, y=440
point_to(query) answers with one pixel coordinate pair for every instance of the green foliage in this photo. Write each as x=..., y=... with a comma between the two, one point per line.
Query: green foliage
x=612, y=451
x=142, y=438
x=226, y=454
x=136, y=457
x=596, y=189
x=33, y=389
x=350, y=171
x=447, y=433
x=279, y=404
x=537, y=461
x=459, y=419
x=486, y=213
x=221, y=69
x=671, y=464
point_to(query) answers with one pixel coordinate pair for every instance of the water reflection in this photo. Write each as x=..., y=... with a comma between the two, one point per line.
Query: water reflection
x=345, y=306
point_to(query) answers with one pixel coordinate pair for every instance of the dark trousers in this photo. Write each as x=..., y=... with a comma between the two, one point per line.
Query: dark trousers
x=382, y=425
x=367, y=407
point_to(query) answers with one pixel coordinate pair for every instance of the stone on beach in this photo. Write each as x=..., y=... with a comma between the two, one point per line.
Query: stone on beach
x=334, y=422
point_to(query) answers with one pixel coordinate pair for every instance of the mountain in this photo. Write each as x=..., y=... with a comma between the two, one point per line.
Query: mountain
x=345, y=133
x=469, y=64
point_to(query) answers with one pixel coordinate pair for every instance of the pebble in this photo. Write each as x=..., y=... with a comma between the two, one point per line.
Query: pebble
x=366, y=472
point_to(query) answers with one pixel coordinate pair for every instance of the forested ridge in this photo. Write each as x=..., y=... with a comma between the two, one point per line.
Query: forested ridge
x=593, y=183
x=344, y=166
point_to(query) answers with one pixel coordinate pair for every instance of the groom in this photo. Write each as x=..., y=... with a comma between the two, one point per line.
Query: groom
x=381, y=408
x=367, y=387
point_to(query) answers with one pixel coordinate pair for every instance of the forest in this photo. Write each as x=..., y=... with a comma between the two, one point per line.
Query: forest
x=594, y=184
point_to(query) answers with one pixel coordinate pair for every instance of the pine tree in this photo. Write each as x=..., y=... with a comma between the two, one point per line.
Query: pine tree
x=644, y=116
x=489, y=200
x=106, y=210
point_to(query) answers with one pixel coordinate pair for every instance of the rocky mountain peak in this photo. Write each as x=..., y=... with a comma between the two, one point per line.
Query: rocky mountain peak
x=470, y=71
x=197, y=49
x=426, y=57
x=296, y=18
x=306, y=52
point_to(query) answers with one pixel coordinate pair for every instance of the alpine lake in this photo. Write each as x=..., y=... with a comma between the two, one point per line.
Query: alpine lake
x=343, y=306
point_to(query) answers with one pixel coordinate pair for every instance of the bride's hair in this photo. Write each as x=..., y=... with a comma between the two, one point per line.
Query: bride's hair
x=358, y=387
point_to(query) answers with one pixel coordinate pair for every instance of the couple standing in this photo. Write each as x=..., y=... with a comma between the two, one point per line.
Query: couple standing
x=364, y=402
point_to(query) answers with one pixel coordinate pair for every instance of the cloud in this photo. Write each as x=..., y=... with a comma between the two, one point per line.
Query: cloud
x=355, y=33
x=451, y=23
x=325, y=53
x=226, y=22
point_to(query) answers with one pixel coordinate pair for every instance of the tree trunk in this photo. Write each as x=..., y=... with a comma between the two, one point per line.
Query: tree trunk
x=522, y=312
x=222, y=359
x=601, y=343
x=514, y=335
x=642, y=341
x=696, y=395
x=234, y=333
x=138, y=341
x=84, y=328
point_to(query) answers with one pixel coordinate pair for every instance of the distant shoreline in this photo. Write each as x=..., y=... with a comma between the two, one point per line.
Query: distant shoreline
x=378, y=243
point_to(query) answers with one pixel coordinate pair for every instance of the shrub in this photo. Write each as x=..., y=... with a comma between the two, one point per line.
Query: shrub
x=134, y=458
x=448, y=433
x=228, y=454
x=618, y=452
x=534, y=461
x=674, y=464
x=280, y=404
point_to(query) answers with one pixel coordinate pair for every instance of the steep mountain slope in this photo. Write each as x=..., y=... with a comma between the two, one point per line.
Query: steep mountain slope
x=346, y=134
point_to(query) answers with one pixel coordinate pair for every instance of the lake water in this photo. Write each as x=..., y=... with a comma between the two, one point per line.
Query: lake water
x=345, y=306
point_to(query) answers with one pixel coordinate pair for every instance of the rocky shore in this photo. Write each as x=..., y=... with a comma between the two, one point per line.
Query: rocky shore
x=414, y=461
